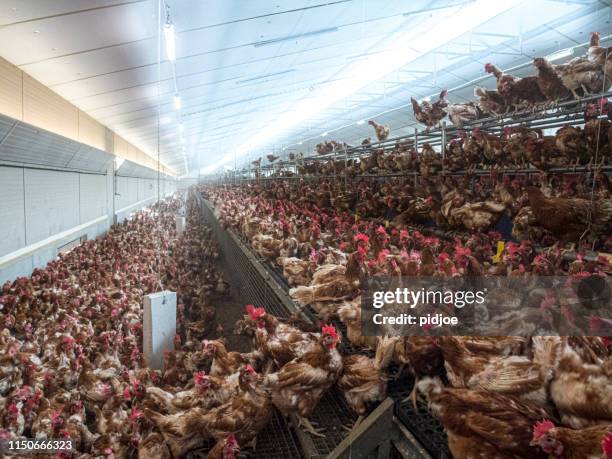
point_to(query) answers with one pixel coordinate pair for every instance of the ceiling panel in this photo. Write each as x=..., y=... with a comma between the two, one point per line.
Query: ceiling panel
x=242, y=66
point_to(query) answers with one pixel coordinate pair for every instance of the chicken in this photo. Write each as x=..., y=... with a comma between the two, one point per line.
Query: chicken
x=349, y=313
x=267, y=246
x=208, y=391
x=498, y=74
x=571, y=142
x=597, y=131
x=603, y=58
x=382, y=132
x=509, y=375
x=490, y=145
x=564, y=443
x=581, y=391
x=460, y=114
x=330, y=283
x=298, y=386
x=280, y=342
x=363, y=379
x=226, y=449
x=272, y=158
x=226, y=363
x=153, y=446
x=244, y=416
x=490, y=102
x=256, y=163
x=483, y=424
x=430, y=114
x=582, y=75
x=569, y=219
x=549, y=82
x=518, y=92
x=295, y=270
x=476, y=216
x=542, y=152
x=325, y=148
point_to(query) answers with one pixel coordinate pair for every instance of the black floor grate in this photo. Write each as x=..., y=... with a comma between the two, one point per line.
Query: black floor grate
x=276, y=441
x=334, y=417
x=420, y=422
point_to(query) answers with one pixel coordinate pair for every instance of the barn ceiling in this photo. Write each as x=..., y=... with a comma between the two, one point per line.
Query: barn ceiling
x=259, y=76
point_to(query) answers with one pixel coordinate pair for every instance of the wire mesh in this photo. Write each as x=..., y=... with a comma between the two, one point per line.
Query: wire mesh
x=276, y=441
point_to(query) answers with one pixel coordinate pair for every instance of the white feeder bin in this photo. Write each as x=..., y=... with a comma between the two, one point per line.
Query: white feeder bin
x=180, y=224
x=159, y=327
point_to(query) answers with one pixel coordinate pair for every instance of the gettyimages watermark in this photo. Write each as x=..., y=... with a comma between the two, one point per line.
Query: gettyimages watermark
x=487, y=306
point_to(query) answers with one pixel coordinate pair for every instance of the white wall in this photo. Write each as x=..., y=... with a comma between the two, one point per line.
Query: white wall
x=186, y=182
x=41, y=210
x=134, y=193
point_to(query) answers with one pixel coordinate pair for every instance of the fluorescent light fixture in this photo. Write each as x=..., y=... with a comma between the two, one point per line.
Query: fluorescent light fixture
x=177, y=102
x=430, y=10
x=170, y=37
x=300, y=142
x=181, y=128
x=410, y=44
x=182, y=139
x=267, y=75
x=561, y=54
x=324, y=134
x=295, y=37
x=360, y=122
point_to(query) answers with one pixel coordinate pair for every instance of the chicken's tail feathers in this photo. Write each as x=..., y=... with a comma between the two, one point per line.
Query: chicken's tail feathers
x=270, y=380
x=385, y=348
x=302, y=294
x=415, y=105
x=430, y=386
x=444, y=94
x=479, y=92
x=605, y=209
x=153, y=416
x=372, y=123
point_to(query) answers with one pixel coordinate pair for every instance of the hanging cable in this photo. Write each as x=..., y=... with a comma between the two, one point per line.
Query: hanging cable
x=158, y=216
x=600, y=103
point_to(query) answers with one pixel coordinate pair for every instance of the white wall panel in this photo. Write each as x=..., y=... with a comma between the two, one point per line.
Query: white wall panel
x=51, y=203
x=142, y=192
x=92, y=196
x=12, y=228
x=127, y=188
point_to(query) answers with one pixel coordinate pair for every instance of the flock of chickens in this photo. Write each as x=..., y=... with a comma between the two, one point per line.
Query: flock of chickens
x=71, y=365
x=505, y=397
x=517, y=147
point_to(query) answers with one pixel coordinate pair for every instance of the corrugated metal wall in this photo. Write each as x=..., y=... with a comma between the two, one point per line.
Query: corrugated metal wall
x=51, y=203
x=12, y=233
x=56, y=207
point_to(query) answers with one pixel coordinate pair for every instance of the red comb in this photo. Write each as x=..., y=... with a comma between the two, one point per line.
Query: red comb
x=256, y=313
x=330, y=330
x=606, y=445
x=250, y=370
x=199, y=377
x=541, y=428
x=231, y=440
